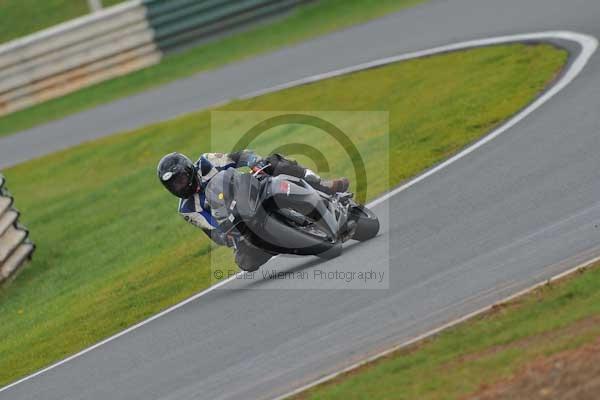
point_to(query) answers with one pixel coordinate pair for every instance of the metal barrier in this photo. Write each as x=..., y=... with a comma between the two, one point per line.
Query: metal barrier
x=115, y=41
x=75, y=54
x=178, y=22
x=15, y=247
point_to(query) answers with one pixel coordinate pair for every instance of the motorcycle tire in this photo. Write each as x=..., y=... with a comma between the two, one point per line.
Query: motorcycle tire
x=367, y=223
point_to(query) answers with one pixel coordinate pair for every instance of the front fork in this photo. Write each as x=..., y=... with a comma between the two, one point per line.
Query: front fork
x=342, y=204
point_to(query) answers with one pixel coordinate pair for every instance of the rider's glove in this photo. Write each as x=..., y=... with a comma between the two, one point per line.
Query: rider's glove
x=245, y=158
x=232, y=240
x=253, y=159
x=219, y=238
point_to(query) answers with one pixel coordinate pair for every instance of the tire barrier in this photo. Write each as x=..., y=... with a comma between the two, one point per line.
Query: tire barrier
x=115, y=41
x=15, y=247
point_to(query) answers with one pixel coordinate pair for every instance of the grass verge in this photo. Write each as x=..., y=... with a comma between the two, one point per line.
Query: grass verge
x=306, y=22
x=464, y=361
x=112, y=250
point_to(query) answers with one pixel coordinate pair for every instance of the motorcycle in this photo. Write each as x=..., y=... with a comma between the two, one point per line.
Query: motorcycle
x=285, y=215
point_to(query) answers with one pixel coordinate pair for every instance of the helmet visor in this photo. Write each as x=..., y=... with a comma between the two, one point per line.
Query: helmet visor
x=179, y=183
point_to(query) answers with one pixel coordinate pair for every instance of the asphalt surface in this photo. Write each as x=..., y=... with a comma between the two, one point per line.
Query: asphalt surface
x=520, y=209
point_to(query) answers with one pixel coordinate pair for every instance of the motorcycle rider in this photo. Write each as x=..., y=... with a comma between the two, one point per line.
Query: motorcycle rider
x=187, y=180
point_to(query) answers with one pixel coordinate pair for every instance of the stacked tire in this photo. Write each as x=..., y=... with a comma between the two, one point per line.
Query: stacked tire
x=15, y=247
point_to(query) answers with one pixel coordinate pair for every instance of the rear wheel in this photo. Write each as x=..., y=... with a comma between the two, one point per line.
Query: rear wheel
x=367, y=223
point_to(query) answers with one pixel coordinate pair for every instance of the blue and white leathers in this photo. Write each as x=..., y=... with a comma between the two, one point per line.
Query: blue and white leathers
x=194, y=209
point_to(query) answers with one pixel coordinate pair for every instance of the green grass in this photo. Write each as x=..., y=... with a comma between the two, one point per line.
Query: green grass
x=457, y=362
x=112, y=250
x=306, y=22
x=22, y=17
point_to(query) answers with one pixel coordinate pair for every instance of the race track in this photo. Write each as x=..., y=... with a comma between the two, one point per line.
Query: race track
x=517, y=210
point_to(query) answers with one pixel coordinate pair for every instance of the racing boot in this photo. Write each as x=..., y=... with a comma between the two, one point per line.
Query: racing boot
x=329, y=187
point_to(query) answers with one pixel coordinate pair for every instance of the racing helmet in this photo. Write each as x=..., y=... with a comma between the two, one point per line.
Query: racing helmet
x=179, y=175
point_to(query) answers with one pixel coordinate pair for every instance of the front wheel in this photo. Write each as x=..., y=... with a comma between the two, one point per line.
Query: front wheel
x=367, y=223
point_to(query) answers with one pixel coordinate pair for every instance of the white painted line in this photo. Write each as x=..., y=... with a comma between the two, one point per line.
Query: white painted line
x=437, y=330
x=588, y=44
x=126, y=331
